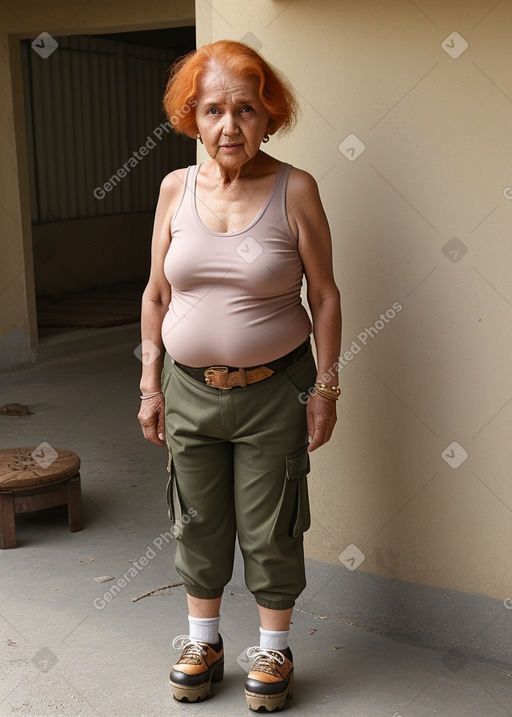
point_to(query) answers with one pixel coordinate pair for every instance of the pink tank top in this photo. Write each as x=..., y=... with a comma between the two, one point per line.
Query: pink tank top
x=235, y=296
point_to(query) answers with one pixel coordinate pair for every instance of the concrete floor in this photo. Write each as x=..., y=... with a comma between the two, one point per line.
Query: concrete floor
x=66, y=650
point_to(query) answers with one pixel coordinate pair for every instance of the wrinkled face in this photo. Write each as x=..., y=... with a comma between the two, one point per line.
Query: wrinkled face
x=230, y=117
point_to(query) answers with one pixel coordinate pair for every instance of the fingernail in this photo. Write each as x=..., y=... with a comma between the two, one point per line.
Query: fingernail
x=161, y=436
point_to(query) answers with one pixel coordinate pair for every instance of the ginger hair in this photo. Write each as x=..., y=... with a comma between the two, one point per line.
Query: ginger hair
x=180, y=97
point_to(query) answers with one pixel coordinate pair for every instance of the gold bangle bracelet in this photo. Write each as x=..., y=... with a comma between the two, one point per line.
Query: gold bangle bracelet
x=325, y=395
x=327, y=391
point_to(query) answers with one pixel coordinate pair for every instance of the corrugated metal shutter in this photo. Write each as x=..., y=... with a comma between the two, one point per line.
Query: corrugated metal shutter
x=90, y=106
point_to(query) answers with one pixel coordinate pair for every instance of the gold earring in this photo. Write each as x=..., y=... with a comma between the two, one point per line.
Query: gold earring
x=198, y=136
x=266, y=139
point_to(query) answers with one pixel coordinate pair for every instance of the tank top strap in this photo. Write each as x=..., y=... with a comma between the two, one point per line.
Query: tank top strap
x=190, y=186
x=282, y=177
x=275, y=212
x=186, y=202
x=191, y=177
x=282, y=180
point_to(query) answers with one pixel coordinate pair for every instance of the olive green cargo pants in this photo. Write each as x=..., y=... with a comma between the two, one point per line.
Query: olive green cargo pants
x=238, y=466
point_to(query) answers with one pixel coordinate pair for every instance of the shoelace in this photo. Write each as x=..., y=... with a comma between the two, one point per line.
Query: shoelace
x=265, y=657
x=192, y=646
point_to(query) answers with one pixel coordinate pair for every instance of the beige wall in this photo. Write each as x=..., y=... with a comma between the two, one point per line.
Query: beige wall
x=22, y=19
x=436, y=166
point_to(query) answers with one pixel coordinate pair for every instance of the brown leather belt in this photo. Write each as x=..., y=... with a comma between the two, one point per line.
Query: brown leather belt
x=230, y=377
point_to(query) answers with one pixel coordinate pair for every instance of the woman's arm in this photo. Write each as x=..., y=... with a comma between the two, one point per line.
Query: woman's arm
x=309, y=223
x=155, y=302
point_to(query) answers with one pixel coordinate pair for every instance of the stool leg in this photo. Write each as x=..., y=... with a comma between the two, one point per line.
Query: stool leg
x=74, y=504
x=7, y=521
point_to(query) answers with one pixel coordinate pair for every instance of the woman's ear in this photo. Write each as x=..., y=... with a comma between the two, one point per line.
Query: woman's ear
x=271, y=126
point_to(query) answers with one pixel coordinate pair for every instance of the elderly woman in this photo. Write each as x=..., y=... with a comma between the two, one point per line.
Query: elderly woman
x=233, y=389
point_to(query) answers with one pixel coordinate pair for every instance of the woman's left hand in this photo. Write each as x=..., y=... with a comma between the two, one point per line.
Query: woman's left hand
x=321, y=419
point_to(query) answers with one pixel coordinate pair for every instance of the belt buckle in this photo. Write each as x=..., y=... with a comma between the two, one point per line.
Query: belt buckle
x=215, y=371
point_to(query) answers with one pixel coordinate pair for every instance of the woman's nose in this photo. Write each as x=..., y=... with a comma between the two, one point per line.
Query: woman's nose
x=230, y=124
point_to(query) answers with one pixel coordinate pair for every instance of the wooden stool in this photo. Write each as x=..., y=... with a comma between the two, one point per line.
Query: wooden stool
x=34, y=479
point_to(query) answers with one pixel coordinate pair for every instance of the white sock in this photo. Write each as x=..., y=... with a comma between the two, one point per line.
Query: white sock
x=205, y=629
x=274, y=639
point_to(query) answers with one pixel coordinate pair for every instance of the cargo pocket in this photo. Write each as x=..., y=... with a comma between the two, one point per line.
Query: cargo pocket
x=173, y=500
x=297, y=469
x=293, y=514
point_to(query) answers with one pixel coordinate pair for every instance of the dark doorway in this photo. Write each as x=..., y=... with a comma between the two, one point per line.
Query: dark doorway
x=98, y=147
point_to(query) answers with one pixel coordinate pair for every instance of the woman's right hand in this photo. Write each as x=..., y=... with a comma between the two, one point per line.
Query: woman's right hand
x=152, y=419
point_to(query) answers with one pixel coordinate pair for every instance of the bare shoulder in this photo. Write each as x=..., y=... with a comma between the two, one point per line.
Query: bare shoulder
x=304, y=206
x=171, y=191
x=173, y=182
x=301, y=185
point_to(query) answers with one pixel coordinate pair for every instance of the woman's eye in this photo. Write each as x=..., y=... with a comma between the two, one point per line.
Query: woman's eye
x=247, y=108
x=213, y=111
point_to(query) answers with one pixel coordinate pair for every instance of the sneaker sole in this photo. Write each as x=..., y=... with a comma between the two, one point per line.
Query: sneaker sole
x=269, y=703
x=198, y=692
